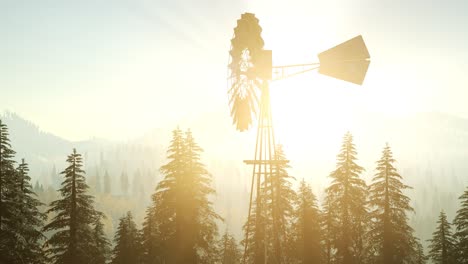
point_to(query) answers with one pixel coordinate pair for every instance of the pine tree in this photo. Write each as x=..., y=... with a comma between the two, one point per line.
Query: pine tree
x=279, y=199
x=36, y=186
x=184, y=215
x=128, y=248
x=107, y=183
x=461, y=230
x=347, y=199
x=165, y=207
x=98, y=182
x=7, y=206
x=419, y=257
x=29, y=220
x=229, y=250
x=124, y=183
x=249, y=245
x=101, y=245
x=329, y=227
x=442, y=244
x=391, y=237
x=151, y=238
x=74, y=218
x=274, y=221
x=55, y=177
x=306, y=242
x=7, y=180
x=136, y=183
x=203, y=231
x=20, y=218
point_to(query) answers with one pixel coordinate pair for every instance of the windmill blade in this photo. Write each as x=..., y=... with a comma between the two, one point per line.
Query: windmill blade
x=348, y=61
x=249, y=66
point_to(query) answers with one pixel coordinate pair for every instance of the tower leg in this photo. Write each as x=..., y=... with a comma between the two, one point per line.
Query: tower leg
x=266, y=239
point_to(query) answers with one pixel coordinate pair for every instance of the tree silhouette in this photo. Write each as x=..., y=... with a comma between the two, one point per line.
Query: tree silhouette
x=461, y=229
x=391, y=237
x=329, y=229
x=128, y=248
x=7, y=198
x=279, y=197
x=136, y=183
x=55, y=177
x=306, y=244
x=151, y=238
x=160, y=222
x=229, y=252
x=124, y=183
x=100, y=249
x=107, y=183
x=183, y=214
x=29, y=219
x=7, y=183
x=251, y=246
x=74, y=218
x=98, y=182
x=419, y=256
x=346, y=197
x=20, y=219
x=442, y=244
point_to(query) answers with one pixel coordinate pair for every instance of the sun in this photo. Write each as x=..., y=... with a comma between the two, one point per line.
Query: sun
x=310, y=107
x=306, y=107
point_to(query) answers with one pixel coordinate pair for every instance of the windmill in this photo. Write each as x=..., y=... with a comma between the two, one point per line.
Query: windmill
x=250, y=72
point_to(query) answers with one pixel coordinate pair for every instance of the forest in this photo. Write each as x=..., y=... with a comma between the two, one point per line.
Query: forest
x=357, y=222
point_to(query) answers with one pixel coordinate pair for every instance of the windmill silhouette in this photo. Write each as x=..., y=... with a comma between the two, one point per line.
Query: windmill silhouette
x=250, y=72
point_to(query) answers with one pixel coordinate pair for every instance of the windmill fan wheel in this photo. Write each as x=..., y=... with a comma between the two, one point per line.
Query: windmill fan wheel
x=244, y=80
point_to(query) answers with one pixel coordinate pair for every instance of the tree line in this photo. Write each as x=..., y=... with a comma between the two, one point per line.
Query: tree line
x=355, y=223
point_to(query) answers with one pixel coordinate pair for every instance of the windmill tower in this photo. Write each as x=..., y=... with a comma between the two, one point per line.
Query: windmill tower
x=250, y=72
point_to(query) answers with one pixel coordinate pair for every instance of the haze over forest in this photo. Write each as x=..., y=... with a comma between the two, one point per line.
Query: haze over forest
x=430, y=150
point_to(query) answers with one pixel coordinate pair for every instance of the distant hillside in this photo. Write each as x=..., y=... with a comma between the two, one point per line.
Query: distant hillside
x=46, y=153
x=41, y=149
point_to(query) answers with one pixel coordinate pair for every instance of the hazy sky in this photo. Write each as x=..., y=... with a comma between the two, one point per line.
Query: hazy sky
x=115, y=69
